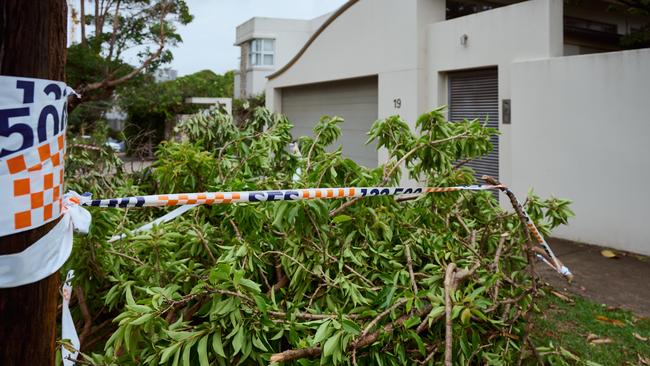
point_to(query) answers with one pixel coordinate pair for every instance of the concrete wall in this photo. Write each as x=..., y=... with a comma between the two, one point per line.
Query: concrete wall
x=580, y=129
x=524, y=31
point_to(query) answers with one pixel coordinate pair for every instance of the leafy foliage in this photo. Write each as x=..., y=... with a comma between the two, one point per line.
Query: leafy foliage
x=142, y=31
x=151, y=105
x=238, y=284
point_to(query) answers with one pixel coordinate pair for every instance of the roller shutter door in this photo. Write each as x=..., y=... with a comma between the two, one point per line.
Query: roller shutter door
x=354, y=100
x=475, y=94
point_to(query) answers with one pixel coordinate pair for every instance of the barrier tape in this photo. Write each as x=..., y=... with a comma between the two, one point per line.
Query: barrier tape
x=215, y=198
x=33, y=118
x=556, y=264
x=190, y=200
x=68, y=331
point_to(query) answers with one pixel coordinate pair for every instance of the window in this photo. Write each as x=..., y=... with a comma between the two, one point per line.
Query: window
x=261, y=52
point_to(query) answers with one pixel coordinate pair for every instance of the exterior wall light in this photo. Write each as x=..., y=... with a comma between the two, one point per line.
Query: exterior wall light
x=463, y=40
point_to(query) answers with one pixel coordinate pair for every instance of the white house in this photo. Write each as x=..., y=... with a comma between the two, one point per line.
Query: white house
x=572, y=109
x=266, y=44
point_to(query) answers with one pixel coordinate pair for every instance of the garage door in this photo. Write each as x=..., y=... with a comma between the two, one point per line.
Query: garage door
x=475, y=94
x=354, y=100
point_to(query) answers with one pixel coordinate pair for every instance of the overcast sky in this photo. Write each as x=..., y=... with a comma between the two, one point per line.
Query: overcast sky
x=208, y=40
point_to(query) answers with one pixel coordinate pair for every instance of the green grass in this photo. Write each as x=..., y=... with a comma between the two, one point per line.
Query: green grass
x=567, y=324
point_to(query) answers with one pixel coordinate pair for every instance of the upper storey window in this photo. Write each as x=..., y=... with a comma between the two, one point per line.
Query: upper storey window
x=262, y=52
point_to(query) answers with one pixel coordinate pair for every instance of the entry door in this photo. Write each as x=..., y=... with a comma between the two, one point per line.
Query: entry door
x=475, y=94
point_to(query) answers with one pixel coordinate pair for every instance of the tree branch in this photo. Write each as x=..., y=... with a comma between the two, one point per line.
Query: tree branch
x=116, y=25
x=361, y=342
x=449, y=281
x=109, y=82
x=409, y=264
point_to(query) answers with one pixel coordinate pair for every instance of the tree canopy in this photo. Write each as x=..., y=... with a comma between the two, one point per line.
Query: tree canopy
x=144, y=28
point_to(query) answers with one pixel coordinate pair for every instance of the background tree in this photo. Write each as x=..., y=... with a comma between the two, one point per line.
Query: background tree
x=637, y=38
x=141, y=30
x=151, y=106
x=144, y=27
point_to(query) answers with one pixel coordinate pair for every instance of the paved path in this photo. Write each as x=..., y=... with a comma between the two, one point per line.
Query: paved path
x=621, y=282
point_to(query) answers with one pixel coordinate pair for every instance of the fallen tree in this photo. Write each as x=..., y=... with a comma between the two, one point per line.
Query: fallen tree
x=446, y=277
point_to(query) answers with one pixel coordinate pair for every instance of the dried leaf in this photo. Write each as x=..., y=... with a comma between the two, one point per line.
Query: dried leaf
x=639, y=337
x=643, y=360
x=608, y=253
x=595, y=339
x=615, y=322
x=562, y=296
x=601, y=341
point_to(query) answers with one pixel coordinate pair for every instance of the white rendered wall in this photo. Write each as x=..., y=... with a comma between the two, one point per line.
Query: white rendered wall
x=256, y=80
x=237, y=88
x=580, y=130
x=499, y=37
x=289, y=35
x=373, y=37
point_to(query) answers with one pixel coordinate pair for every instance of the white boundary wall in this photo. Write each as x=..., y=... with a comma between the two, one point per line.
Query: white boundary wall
x=581, y=130
x=530, y=30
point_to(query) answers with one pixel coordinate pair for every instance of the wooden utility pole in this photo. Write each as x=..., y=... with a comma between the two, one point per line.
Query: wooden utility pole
x=32, y=44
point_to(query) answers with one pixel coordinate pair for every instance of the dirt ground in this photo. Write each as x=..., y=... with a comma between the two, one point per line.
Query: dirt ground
x=620, y=282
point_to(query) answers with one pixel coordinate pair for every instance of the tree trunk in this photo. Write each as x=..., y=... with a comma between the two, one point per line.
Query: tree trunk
x=32, y=44
x=98, y=21
x=82, y=19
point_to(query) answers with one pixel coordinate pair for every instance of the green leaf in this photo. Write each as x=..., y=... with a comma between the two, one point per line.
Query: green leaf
x=217, y=346
x=187, y=352
x=202, y=350
x=250, y=285
x=341, y=218
x=168, y=352
x=351, y=327
x=129, y=296
x=331, y=345
x=220, y=273
x=258, y=343
x=435, y=313
x=411, y=322
x=142, y=319
x=321, y=332
x=139, y=308
x=238, y=340
x=279, y=215
x=466, y=315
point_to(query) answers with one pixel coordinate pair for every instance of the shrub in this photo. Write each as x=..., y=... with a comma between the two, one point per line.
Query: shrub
x=311, y=281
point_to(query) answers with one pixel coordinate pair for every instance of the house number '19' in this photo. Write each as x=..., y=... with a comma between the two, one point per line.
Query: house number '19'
x=397, y=102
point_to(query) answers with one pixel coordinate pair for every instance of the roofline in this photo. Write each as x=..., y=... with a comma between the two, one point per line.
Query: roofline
x=313, y=37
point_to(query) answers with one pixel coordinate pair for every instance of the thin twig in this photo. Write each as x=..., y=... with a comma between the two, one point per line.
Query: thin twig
x=409, y=264
x=125, y=256
x=381, y=315
x=359, y=343
x=531, y=261
x=237, y=232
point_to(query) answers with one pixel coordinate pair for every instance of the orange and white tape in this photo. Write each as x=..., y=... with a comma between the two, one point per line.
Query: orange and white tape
x=33, y=119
